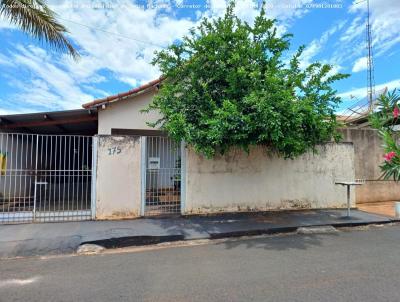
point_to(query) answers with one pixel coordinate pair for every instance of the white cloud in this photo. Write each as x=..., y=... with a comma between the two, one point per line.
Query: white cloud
x=118, y=39
x=360, y=93
x=48, y=86
x=354, y=30
x=131, y=81
x=9, y=111
x=119, y=48
x=5, y=61
x=285, y=11
x=54, y=77
x=360, y=64
x=385, y=23
x=129, y=59
x=317, y=45
x=56, y=83
x=5, y=24
x=351, y=48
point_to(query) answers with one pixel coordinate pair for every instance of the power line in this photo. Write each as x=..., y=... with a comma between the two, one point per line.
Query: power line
x=112, y=33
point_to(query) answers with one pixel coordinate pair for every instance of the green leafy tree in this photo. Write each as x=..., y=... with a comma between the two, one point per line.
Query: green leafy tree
x=384, y=119
x=37, y=19
x=227, y=84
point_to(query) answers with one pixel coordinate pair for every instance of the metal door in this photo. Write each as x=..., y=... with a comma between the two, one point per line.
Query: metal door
x=45, y=177
x=162, y=176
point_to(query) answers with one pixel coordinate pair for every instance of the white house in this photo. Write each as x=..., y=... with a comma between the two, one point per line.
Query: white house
x=150, y=174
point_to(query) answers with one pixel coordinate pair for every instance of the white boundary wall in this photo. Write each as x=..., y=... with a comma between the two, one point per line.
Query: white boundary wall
x=235, y=182
x=257, y=181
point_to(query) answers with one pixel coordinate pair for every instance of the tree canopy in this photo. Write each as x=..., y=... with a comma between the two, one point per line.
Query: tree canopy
x=229, y=83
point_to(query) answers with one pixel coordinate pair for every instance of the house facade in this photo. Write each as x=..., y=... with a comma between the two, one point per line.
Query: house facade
x=149, y=174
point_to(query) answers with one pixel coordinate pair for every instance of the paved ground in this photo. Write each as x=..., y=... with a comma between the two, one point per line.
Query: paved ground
x=381, y=208
x=59, y=238
x=346, y=266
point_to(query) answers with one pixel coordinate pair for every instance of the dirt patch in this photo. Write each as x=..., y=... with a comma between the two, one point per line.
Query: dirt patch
x=383, y=208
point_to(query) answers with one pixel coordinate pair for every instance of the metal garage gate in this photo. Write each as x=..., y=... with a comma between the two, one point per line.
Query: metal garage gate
x=163, y=176
x=45, y=177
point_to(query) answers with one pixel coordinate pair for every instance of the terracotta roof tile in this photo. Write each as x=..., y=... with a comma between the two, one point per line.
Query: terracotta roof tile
x=119, y=96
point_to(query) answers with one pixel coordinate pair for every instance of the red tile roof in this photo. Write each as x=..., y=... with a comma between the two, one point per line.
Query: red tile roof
x=119, y=96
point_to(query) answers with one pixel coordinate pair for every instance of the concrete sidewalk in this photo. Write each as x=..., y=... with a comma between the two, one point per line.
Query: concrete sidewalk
x=59, y=238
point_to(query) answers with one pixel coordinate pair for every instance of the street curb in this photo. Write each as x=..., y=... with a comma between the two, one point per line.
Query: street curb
x=269, y=231
x=119, y=242
x=356, y=224
x=128, y=241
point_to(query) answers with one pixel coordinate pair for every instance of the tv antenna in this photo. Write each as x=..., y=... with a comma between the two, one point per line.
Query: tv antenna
x=360, y=110
x=370, y=61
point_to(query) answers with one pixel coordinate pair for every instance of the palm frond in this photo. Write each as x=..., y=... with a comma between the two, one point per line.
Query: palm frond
x=37, y=19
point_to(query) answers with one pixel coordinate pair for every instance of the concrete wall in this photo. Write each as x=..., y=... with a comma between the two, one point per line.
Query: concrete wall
x=258, y=181
x=368, y=156
x=118, y=183
x=125, y=114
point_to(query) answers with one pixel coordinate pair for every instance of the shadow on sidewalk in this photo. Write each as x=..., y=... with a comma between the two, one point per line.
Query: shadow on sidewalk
x=279, y=242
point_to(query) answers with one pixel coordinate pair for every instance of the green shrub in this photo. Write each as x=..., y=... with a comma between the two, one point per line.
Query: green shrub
x=228, y=84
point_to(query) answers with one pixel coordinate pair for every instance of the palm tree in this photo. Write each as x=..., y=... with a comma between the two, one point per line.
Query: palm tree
x=37, y=19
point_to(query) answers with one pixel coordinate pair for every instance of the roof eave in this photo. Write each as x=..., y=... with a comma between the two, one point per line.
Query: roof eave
x=117, y=97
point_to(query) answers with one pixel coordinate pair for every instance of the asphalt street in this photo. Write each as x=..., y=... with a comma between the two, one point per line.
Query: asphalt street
x=351, y=265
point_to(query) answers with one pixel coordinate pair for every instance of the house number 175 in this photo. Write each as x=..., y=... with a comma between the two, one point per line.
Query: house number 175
x=114, y=150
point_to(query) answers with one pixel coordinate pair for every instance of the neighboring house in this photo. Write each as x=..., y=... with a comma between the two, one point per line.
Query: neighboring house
x=368, y=152
x=129, y=169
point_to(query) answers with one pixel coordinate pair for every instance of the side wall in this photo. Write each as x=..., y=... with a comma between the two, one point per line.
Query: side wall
x=368, y=156
x=257, y=181
x=118, y=182
x=125, y=114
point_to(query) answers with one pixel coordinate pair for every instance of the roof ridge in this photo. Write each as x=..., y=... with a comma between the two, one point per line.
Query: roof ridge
x=99, y=102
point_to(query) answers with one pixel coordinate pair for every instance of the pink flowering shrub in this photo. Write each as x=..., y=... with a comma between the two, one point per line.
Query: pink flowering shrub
x=385, y=119
x=389, y=156
x=396, y=112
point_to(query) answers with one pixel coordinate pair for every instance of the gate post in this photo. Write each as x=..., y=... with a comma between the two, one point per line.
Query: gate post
x=183, y=177
x=143, y=165
x=94, y=177
x=36, y=171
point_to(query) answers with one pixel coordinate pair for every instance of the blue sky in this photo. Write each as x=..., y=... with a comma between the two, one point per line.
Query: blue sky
x=117, y=40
